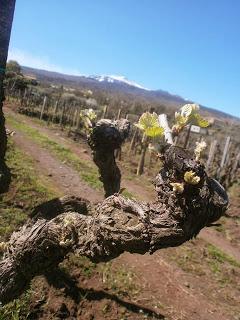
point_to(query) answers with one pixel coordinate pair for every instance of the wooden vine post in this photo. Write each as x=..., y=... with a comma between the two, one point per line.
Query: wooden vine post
x=140, y=168
x=225, y=151
x=163, y=122
x=133, y=141
x=105, y=110
x=187, y=137
x=211, y=153
x=62, y=115
x=6, y=18
x=43, y=107
x=55, y=110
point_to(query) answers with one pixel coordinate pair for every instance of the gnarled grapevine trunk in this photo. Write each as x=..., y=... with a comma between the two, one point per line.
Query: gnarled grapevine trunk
x=106, y=137
x=103, y=231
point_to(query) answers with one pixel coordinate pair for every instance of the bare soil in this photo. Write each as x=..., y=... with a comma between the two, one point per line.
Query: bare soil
x=164, y=289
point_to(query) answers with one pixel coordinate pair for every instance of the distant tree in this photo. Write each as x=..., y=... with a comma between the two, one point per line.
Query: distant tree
x=13, y=66
x=6, y=17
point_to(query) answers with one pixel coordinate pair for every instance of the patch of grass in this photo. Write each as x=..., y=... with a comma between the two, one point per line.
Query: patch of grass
x=221, y=257
x=128, y=194
x=18, y=309
x=221, y=265
x=86, y=171
x=120, y=280
x=84, y=264
x=26, y=191
x=187, y=259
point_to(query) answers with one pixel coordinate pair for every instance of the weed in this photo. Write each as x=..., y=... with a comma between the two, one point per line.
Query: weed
x=84, y=264
x=106, y=308
x=221, y=257
x=120, y=280
x=127, y=194
x=187, y=259
x=17, y=309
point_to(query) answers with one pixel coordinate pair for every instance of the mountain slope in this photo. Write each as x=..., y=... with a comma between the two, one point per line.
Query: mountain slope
x=118, y=84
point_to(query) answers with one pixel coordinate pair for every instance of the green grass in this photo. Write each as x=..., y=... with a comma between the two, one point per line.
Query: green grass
x=18, y=309
x=187, y=259
x=128, y=194
x=26, y=191
x=84, y=264
x=86, y=171
x=120, y=280
x=220, y=257
x=221, y=265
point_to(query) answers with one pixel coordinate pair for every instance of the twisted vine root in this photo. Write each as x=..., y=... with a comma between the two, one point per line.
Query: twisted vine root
x=103, y=231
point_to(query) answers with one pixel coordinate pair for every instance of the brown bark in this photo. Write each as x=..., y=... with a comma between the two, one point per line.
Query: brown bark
x=187, y=137
x=103, y=231
x=6, y=17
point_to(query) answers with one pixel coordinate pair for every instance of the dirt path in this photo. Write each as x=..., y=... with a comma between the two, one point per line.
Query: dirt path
x=65, y=179
x=163, y=284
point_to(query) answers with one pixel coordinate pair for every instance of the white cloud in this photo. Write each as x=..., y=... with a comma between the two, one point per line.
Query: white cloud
x=27, y=59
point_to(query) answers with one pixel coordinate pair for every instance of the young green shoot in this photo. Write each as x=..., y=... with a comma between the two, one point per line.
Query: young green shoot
x=200, y=147
x=87, y=117
x=188, y=115
x=149, y=124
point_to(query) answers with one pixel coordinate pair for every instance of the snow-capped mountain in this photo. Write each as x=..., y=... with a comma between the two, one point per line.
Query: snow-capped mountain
x=114, y=84
x=117, y=79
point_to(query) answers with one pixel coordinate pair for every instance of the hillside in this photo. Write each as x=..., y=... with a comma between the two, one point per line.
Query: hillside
x=119, y=86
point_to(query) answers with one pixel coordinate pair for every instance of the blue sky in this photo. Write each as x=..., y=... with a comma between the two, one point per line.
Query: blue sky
x=187, y=47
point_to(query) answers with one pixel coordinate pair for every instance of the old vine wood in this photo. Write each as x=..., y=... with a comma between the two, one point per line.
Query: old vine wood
x=105, y=230
x=106, y=137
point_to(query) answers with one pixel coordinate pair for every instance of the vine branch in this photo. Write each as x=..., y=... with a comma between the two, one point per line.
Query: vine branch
x=105, y=230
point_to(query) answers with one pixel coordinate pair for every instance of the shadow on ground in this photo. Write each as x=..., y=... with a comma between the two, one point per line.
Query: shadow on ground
x=59, y=279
